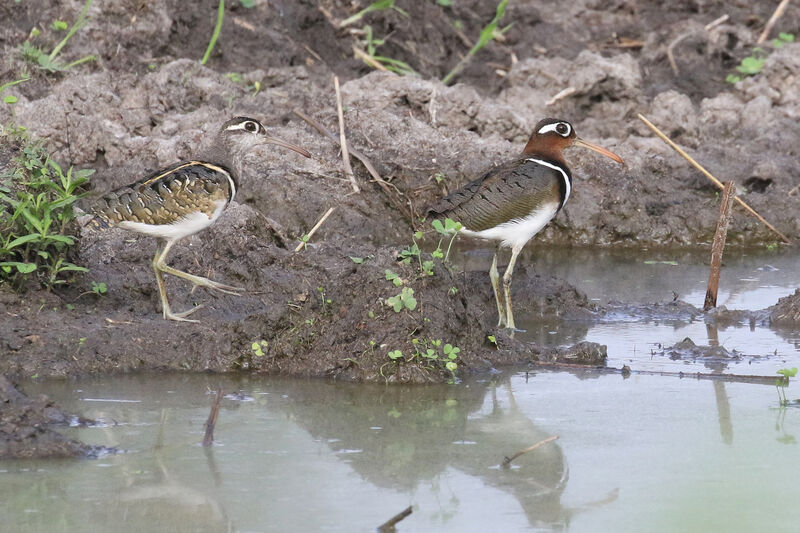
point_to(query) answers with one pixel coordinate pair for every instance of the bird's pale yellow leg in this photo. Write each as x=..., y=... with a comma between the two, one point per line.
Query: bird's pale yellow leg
x=161, y=252
x=495, y=277
x=507, y=286
x=161, y=265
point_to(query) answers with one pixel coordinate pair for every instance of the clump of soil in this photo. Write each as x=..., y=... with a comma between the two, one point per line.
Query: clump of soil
x=688, y=350
x=786, y=313
x=26, y=428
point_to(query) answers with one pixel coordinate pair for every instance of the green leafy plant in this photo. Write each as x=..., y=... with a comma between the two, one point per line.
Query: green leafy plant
x=258, y=347
x=782, y=382
x=754, y=63
x=429, y=354
x=50, y=61
x=489, y=32
x=414, y=251
x=433, y=351
x=98, y=289
x=394, y=278
x=782, y=39
x=325, y=301
x=378, y=5
x=216, y=32
x=404, y=300
x=448, y=228
x=11, y=99
x=37, y=200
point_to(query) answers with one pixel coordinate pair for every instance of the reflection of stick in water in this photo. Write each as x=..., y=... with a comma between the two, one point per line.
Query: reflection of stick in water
x=507, y=460
x=388, y=526
x=208, y=439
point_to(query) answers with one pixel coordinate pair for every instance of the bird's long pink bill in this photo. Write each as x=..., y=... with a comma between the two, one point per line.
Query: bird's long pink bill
x=290, y=146
x=600, y=150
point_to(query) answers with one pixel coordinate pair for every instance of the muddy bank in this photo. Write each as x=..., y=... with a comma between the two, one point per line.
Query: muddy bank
x=312, y=313
x=147, y=102
x=26, y=427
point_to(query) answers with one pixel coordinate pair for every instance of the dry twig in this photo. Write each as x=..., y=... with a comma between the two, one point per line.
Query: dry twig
x=707, y=174
x=319, y=223
x=671, y=49
x=361, y=157
x=772, y=20
x=716, y=22
x=507, y=460
x=348, y=170
x=560, y=95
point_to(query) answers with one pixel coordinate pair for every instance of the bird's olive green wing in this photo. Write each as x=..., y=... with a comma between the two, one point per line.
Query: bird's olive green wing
x=509, y=191
x=168, y=195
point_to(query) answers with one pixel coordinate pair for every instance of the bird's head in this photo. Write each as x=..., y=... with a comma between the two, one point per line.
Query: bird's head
x=241, y=134
x=551, y=136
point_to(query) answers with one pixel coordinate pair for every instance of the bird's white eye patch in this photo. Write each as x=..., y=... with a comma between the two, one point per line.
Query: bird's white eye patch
x=562, y=128
x=247, y=125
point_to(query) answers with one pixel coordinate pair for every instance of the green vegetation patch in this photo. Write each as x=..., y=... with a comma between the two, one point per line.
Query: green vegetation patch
x=37, y=214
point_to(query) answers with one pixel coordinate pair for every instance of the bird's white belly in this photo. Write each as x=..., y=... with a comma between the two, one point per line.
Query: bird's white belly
x=182, y=227
x=515, y=233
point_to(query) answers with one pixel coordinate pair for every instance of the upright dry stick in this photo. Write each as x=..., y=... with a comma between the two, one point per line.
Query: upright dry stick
x=208, y=438
x=772, y=20
x=348, y=170
x=707, y=174
x=728, y=194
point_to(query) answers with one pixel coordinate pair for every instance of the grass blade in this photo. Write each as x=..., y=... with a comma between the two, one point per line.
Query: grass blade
x=217, y=30
x=75, y=27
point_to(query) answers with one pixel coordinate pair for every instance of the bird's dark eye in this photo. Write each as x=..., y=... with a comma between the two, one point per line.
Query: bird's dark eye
x=250, y=126
x=562, y=129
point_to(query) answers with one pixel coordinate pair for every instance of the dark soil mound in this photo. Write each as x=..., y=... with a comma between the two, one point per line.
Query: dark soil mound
x=25, y=427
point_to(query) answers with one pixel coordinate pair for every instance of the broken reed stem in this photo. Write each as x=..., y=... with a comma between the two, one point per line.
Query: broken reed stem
x=707, y=174
x=560, y=95
x=368, y=59
x=726, y=203
x=208, y=439
x=507, y=460
x=348, y=170
x=772, y=20
x=314, y=229
x=671, y=49
x=388, y=526
x=716, y=22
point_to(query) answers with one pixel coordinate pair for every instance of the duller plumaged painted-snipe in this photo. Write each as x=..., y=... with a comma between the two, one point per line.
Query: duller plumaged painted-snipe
x=184, y=199
x=512, y=202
